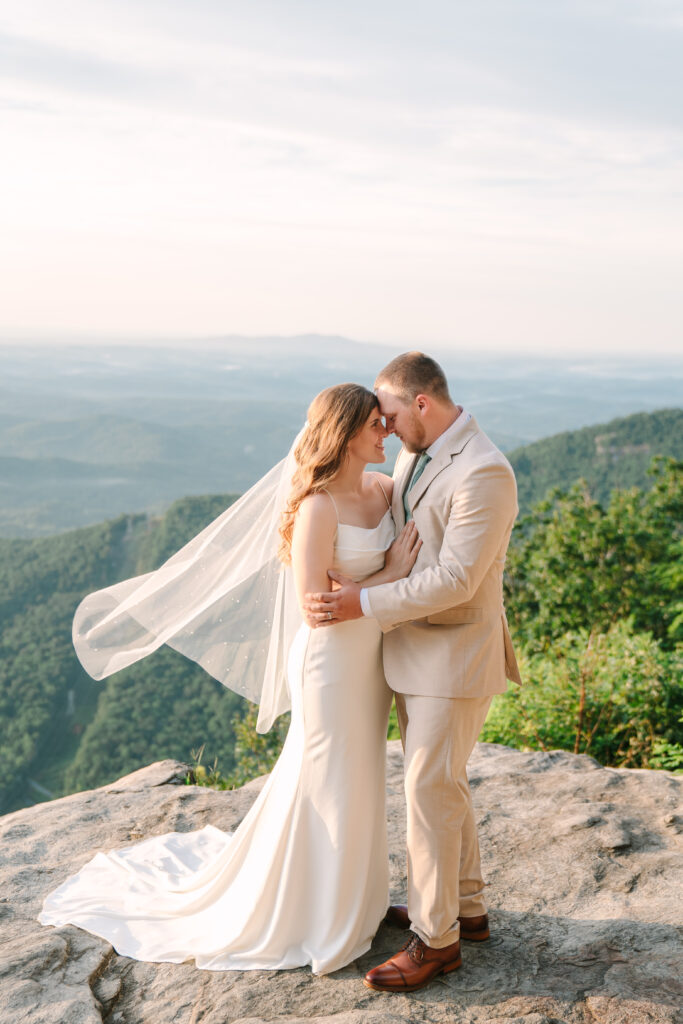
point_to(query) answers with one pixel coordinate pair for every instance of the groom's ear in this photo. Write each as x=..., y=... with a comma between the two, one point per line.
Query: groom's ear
x=423, y=402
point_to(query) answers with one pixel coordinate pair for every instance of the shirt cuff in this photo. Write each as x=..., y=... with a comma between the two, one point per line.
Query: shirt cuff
x=365, y=602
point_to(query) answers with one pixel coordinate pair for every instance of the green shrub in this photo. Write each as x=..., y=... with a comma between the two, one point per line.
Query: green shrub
x=615, y=695
x=255, y=753
x=573, y=564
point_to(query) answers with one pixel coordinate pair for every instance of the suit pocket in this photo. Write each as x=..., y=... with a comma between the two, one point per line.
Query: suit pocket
x=511, y=667
x=456, y=616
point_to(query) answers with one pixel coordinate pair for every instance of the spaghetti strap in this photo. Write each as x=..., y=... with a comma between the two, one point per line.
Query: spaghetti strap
x=336, y=510
x=384, y=493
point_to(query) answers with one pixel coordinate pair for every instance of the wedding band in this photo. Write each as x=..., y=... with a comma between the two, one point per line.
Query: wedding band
x=329, y=615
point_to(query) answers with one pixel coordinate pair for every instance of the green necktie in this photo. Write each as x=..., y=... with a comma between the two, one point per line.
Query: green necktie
x=417, y=473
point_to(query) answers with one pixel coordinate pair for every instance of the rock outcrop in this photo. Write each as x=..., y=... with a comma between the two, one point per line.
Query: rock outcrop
x=584, y=873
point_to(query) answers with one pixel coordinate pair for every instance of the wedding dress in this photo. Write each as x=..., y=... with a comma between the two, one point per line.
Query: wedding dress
x=304, y=878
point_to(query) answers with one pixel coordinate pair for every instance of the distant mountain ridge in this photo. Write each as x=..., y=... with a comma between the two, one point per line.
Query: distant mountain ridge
x=607, y=456
x=57, y=475
x=133, y=428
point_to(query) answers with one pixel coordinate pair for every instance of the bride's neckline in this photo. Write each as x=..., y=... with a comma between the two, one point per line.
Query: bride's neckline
x=352, y=526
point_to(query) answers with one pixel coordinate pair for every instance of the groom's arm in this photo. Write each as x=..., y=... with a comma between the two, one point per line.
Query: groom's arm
x=483, y=510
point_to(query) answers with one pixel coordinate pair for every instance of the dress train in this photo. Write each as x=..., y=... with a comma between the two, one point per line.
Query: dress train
x=304, y=878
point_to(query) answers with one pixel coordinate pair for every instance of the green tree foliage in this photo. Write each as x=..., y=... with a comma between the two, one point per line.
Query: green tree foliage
x=53, y=736
x=609, y=456
x=31, y=684
x=594, y=602
x=41, y=583
x=163, y=707
x=614, y=695
x=255, y=753
x=575, y=564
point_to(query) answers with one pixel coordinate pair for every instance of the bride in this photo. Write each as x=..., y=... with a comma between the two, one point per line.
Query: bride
x=304, y=879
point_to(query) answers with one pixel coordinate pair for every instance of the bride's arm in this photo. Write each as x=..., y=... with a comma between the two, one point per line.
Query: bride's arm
x=313, y=544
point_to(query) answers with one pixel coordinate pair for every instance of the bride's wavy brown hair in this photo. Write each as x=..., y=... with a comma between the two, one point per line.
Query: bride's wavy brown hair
x=335, y=416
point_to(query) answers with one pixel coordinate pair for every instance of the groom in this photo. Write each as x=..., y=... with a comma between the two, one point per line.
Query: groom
x=446, y=648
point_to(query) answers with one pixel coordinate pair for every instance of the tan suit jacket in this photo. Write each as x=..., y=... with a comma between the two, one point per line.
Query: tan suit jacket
x=445, y=631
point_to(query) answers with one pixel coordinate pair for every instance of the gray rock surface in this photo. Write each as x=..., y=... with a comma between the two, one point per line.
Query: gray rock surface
x=584, y=873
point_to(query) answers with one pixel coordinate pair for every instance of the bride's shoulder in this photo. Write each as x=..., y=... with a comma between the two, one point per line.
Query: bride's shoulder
x=315, y=526
x=378, y=479
x=318, y=507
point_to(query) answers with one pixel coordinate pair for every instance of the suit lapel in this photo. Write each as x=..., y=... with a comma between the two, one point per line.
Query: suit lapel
x=402, y=474
x=443, y=457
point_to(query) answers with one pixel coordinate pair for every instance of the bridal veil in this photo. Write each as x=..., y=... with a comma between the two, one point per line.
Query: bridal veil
x=224, y=600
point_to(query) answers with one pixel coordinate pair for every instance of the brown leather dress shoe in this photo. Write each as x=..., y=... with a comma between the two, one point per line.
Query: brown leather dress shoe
x=473, y=929
x=413, y=967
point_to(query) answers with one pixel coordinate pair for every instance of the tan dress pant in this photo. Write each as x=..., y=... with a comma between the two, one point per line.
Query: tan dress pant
x=444, y=869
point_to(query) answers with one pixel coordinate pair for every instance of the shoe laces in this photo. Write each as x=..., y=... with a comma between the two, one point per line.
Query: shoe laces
x=414, y=947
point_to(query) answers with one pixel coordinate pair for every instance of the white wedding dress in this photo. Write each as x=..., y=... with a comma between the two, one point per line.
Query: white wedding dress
x=304, y=879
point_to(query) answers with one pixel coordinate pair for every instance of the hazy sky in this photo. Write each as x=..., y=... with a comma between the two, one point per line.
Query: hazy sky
x=490, y=173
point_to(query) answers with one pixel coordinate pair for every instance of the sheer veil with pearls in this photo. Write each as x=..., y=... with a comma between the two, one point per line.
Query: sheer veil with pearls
x=224, y=600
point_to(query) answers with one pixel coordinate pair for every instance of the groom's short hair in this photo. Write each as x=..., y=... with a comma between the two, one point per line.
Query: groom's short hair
x=414, y=373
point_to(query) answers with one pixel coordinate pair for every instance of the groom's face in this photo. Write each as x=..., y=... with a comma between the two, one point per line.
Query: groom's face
x=403, y=419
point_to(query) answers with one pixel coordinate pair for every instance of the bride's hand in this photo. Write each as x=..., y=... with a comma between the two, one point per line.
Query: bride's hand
x=400, y=557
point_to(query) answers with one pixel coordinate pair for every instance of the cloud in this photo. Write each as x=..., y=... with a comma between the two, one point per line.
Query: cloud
x=86, y=74
x=378, y=149
x=599, y=61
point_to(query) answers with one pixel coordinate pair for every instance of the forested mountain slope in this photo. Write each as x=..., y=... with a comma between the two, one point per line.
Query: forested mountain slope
x=60, y=731
x=610, y=455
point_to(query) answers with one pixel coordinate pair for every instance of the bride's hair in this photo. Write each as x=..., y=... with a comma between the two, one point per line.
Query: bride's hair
x=335, y=416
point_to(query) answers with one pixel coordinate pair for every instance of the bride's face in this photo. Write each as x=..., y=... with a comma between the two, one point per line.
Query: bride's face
x=368, y=444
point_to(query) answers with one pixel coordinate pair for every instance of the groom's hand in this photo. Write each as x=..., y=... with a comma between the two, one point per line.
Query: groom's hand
x=335, y=605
